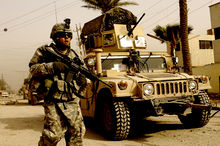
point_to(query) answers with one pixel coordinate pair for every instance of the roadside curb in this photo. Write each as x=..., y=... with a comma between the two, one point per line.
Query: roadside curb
x=12, y=101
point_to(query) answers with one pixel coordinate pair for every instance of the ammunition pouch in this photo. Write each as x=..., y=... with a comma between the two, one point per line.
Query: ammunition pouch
x=60, y=91
x=40, y=87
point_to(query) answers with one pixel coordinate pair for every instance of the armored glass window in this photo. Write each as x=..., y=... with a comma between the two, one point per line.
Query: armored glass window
x=125, y=42
x=140, y=42
x=114, y=63
x=108, y=39
x=155, y=63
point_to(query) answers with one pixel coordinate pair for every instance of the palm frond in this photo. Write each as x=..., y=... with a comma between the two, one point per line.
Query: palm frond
x=126, y=3
x=91, y=2
x=105, y=5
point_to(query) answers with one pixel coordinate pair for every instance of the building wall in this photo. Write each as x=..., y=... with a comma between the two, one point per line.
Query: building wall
x=212, y=71
x=199, y=57
x=216, y=44
x=215, y=23
x=215, y=15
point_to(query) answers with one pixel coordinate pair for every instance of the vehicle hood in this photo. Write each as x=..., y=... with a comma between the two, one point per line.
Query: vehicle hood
x=160, y=76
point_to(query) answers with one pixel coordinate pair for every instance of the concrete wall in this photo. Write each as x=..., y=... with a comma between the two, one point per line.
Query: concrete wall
x=199, y=57
x=215, y=15
x=212, y=71
x=215, y=23
x=216, y=44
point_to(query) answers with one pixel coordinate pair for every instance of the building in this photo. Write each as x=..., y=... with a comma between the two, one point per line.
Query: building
x=201, y=50
x=205, y=51
x=215, y=23
x=213, y=70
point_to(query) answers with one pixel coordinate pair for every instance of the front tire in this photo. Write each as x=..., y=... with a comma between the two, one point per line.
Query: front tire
x=113, y=117
x=198, y=117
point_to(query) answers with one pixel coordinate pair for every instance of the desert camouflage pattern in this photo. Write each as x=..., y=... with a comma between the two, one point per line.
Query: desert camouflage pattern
x=41, y=65
x=59, y=27
x=107, y=20
x=62, y=120
x=61, y=106
x=118, y=16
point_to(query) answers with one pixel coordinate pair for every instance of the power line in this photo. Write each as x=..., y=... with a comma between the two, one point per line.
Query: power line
x=159, y=12
x=40, y=17
x=175, y=10
x=200, y=7
x=161, y=18
x=190, y=12
x=150, y=7
x=23, y=15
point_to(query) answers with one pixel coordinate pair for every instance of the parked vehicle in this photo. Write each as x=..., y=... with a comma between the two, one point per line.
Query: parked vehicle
x=143, y=83
x=5, y=94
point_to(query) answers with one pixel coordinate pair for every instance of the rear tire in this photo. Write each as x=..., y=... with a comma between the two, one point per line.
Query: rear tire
x=198, y=117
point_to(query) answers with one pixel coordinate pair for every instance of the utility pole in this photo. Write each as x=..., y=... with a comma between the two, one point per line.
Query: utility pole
x=1, y=82
x=3, y=86
x=184, y=36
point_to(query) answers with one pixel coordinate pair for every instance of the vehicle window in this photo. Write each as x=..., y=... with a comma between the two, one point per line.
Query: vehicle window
x=114, y=64
x=153, y=63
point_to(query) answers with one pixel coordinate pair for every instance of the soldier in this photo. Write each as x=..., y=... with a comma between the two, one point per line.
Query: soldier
x=63, y=116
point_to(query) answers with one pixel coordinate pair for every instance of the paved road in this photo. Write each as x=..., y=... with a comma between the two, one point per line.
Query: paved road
x=21, y=125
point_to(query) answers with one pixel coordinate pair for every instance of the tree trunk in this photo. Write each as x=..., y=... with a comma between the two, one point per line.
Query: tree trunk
x=184, y=36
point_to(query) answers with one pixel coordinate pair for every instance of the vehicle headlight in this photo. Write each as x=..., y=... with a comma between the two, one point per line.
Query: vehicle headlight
x=125, y=41
x=192, y=85
x=140, y=42
x=90, y=62
x=148, y=89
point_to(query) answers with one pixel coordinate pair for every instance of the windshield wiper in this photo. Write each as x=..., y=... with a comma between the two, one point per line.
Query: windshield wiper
x=148, y=57
x=109, y=54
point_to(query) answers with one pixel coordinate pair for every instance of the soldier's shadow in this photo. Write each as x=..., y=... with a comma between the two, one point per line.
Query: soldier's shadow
x=149, y=126
x=142, y=131
x=25, y=123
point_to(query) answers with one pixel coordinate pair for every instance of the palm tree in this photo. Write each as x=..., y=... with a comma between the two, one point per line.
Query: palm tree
x=170, y=33
x=184, y=37
x=105, y=5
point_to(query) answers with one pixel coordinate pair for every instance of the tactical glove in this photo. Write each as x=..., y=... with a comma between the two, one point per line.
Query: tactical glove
x=81, y=80
x=60, y=67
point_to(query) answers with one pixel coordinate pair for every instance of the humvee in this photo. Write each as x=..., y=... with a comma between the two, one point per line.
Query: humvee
x=142, y=83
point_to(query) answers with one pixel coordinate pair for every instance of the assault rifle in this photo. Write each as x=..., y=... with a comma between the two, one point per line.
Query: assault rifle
x=75, y=66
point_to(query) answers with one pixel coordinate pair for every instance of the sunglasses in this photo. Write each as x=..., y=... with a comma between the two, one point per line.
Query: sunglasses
x=64, y=34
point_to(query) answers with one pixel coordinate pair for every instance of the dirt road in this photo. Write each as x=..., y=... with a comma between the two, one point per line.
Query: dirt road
x=21, y=125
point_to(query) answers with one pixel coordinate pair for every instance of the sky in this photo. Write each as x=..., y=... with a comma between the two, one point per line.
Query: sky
x=29, y=24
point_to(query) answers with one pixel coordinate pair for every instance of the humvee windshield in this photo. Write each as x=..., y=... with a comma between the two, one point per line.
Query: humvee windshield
x=116, y=63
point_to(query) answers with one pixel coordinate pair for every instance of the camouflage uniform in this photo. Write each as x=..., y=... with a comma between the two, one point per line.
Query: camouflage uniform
x=63, y=116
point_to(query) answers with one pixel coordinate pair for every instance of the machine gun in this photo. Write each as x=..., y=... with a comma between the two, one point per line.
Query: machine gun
x=130, y=31
x=75, y=66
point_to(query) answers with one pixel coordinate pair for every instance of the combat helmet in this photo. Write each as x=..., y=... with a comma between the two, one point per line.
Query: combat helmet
x=61, y=27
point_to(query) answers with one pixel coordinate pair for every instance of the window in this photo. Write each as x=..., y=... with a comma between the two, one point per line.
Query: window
x=217, y=33
x=120, y=63
x=205, y=44
x=108, y=39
